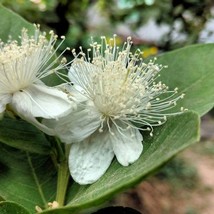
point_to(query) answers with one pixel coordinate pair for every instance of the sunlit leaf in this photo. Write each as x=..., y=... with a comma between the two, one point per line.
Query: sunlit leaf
x=191, y=69
x=11, y=24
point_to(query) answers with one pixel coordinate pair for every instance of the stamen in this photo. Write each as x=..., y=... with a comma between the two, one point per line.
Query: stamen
x=33, y=59
x=122, y=87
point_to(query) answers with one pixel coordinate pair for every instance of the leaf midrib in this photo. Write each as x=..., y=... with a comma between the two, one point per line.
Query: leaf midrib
x=36, y=180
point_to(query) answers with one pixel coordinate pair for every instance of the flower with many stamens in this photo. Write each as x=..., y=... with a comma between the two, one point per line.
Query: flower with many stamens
x=119, y=98
x=23, y=65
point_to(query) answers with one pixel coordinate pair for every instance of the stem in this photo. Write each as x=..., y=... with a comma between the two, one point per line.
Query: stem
x=59, y=157
x=63, y=173
x=62, y=182
x=60, y=152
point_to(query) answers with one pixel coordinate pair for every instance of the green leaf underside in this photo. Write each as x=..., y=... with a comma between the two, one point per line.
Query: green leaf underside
x=178, y=133
x=7, y=207
x=11, y=24
x=191, y=69
x=22, y=135
x=27, y=179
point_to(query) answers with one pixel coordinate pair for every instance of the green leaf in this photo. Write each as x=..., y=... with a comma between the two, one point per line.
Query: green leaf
x=12, y=24
x=1, y=199
x=191, y=69
x=7, y=207
x=178, y=133
x=27, y=179
x=22, y=135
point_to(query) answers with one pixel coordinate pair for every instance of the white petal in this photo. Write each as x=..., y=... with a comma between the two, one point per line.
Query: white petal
x=89, y=159
x=72, y=74
x=4, y=100
x=127, y=145
x=74, y=92
x=76, y=126
x=41, y=101
x=81, y=75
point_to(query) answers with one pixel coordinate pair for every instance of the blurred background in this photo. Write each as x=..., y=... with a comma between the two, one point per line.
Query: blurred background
x=154, y=25
x=186, y=184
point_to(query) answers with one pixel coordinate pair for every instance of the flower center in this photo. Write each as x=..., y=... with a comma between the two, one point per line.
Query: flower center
x=116, y=90
x=122, y=87
x=14, y=71
x=24, y=63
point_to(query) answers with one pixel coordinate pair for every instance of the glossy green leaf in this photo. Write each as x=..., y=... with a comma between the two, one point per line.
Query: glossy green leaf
x=22, y=135
x=191, y=69
x=7, y=207
x=178, y=133
x=12, y=24
x=27, y=179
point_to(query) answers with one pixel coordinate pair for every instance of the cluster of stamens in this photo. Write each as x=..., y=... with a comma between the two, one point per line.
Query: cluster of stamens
x=27, y=61
x=122, y=87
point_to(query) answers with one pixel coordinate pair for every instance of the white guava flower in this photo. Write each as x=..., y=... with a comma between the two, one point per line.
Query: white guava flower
x=22, y=67
x=121, y=98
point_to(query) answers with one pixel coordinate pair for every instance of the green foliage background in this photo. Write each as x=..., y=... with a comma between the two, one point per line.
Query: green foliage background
x=70, y=18
x=27, y=172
